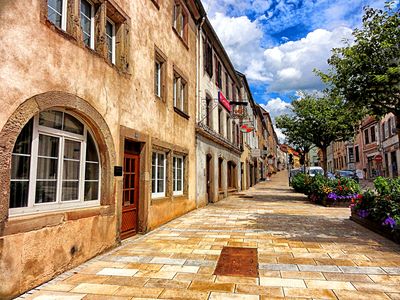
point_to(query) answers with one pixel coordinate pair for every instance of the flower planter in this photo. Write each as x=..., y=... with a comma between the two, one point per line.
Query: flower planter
x=384, y=231
x=329, y=202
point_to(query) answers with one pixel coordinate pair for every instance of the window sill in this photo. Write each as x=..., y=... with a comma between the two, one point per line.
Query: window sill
x=39, y=220
x=181, y=113
x=183, y=40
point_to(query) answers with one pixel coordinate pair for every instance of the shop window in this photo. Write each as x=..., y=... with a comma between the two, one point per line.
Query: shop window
x=87, y=23
x=158, y=173
x=180, y=93
x=57, y=13
x=55, y=165
x=178, y=175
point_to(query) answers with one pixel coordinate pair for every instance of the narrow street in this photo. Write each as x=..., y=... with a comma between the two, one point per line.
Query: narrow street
x=304, y=251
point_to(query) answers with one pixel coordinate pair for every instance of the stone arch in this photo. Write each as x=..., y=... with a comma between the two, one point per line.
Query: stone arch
x=68, y=102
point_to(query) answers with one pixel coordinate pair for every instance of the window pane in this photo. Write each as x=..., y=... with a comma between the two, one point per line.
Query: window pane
x=86, y=8
x=91, y=150
x=24, y=140
x=48, y=146
x=153, y=186
x=47, y=168
x=55, y=4
x=92, y=171
x=20, y=167
x=19, y=194
x=160, y=159
x=54, y=8
x=72, y=124
x=109, y=29
x=52, y=119
x=46, y=191
x=72, y=150
x=70, y=190
x=91, y=191
x=71, y=170
x=179, y=185
x=160, y=185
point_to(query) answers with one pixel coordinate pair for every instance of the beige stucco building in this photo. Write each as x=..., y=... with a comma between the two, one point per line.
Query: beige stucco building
x=96, y=128
x=249, y=137
x=217, y=132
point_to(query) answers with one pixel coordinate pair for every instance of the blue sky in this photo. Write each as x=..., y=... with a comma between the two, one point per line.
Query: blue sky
x=277, y=43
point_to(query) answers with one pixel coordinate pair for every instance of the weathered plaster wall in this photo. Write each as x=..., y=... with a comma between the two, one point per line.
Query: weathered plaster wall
x=36, y=59
x=143, y=111
x=31, y=258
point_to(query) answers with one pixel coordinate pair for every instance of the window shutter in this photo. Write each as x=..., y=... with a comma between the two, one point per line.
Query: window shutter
x=100, y=30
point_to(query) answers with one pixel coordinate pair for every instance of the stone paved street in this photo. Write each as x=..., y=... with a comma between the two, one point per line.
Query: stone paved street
x=304, y=251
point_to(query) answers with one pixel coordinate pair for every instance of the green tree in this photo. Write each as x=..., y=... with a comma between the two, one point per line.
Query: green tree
x=319, y=121
x=367, y=72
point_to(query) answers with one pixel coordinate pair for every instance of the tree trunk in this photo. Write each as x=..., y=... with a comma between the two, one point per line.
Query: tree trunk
x=324, y=160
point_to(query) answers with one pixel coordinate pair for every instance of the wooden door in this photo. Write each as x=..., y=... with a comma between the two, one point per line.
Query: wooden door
x=130, y=198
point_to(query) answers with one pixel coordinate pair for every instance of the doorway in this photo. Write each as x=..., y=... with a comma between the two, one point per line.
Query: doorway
x=130, y=192
x=208, y=178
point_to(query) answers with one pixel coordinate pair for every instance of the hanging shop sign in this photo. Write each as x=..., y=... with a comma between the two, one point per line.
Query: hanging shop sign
x=224, y=102
x=246, y=128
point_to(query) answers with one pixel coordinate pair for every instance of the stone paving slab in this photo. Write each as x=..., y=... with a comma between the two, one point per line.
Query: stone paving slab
x=304, y=252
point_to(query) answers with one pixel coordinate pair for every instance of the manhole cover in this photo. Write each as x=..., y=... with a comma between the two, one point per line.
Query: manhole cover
x=235, y=261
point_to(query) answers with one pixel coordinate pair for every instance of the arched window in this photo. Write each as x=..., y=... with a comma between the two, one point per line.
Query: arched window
x=55, y=165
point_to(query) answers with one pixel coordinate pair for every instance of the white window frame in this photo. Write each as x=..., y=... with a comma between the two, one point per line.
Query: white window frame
x=159, y=194
x=63, y=14
x=177, y=192
x=59, y=204
x=91, y=21
x=113, y=43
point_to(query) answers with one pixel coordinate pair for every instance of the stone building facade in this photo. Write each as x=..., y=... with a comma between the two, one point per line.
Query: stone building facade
x=249, y=139
x=96, y=128
x=217, y=132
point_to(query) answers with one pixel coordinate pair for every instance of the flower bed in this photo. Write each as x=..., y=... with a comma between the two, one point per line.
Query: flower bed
x=328, y=192
x=380, y=210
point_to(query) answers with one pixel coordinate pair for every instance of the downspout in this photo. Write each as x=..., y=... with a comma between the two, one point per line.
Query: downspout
x=198, y=96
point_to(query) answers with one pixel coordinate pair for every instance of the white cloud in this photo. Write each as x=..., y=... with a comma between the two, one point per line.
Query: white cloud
x=277, y=107
x=291, y=64
x=241, y=38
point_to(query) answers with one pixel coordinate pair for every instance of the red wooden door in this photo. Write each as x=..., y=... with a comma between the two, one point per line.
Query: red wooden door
x=130, y=198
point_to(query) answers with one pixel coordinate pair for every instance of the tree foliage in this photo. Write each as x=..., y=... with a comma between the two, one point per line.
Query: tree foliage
x=319, y=121
x=367, y=72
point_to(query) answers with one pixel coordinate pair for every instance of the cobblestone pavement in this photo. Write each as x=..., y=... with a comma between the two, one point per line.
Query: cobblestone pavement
x=304, y=251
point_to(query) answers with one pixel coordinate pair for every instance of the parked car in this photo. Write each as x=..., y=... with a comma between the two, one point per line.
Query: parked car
x=348, y=174
x=312, y=171
x=330, y=175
